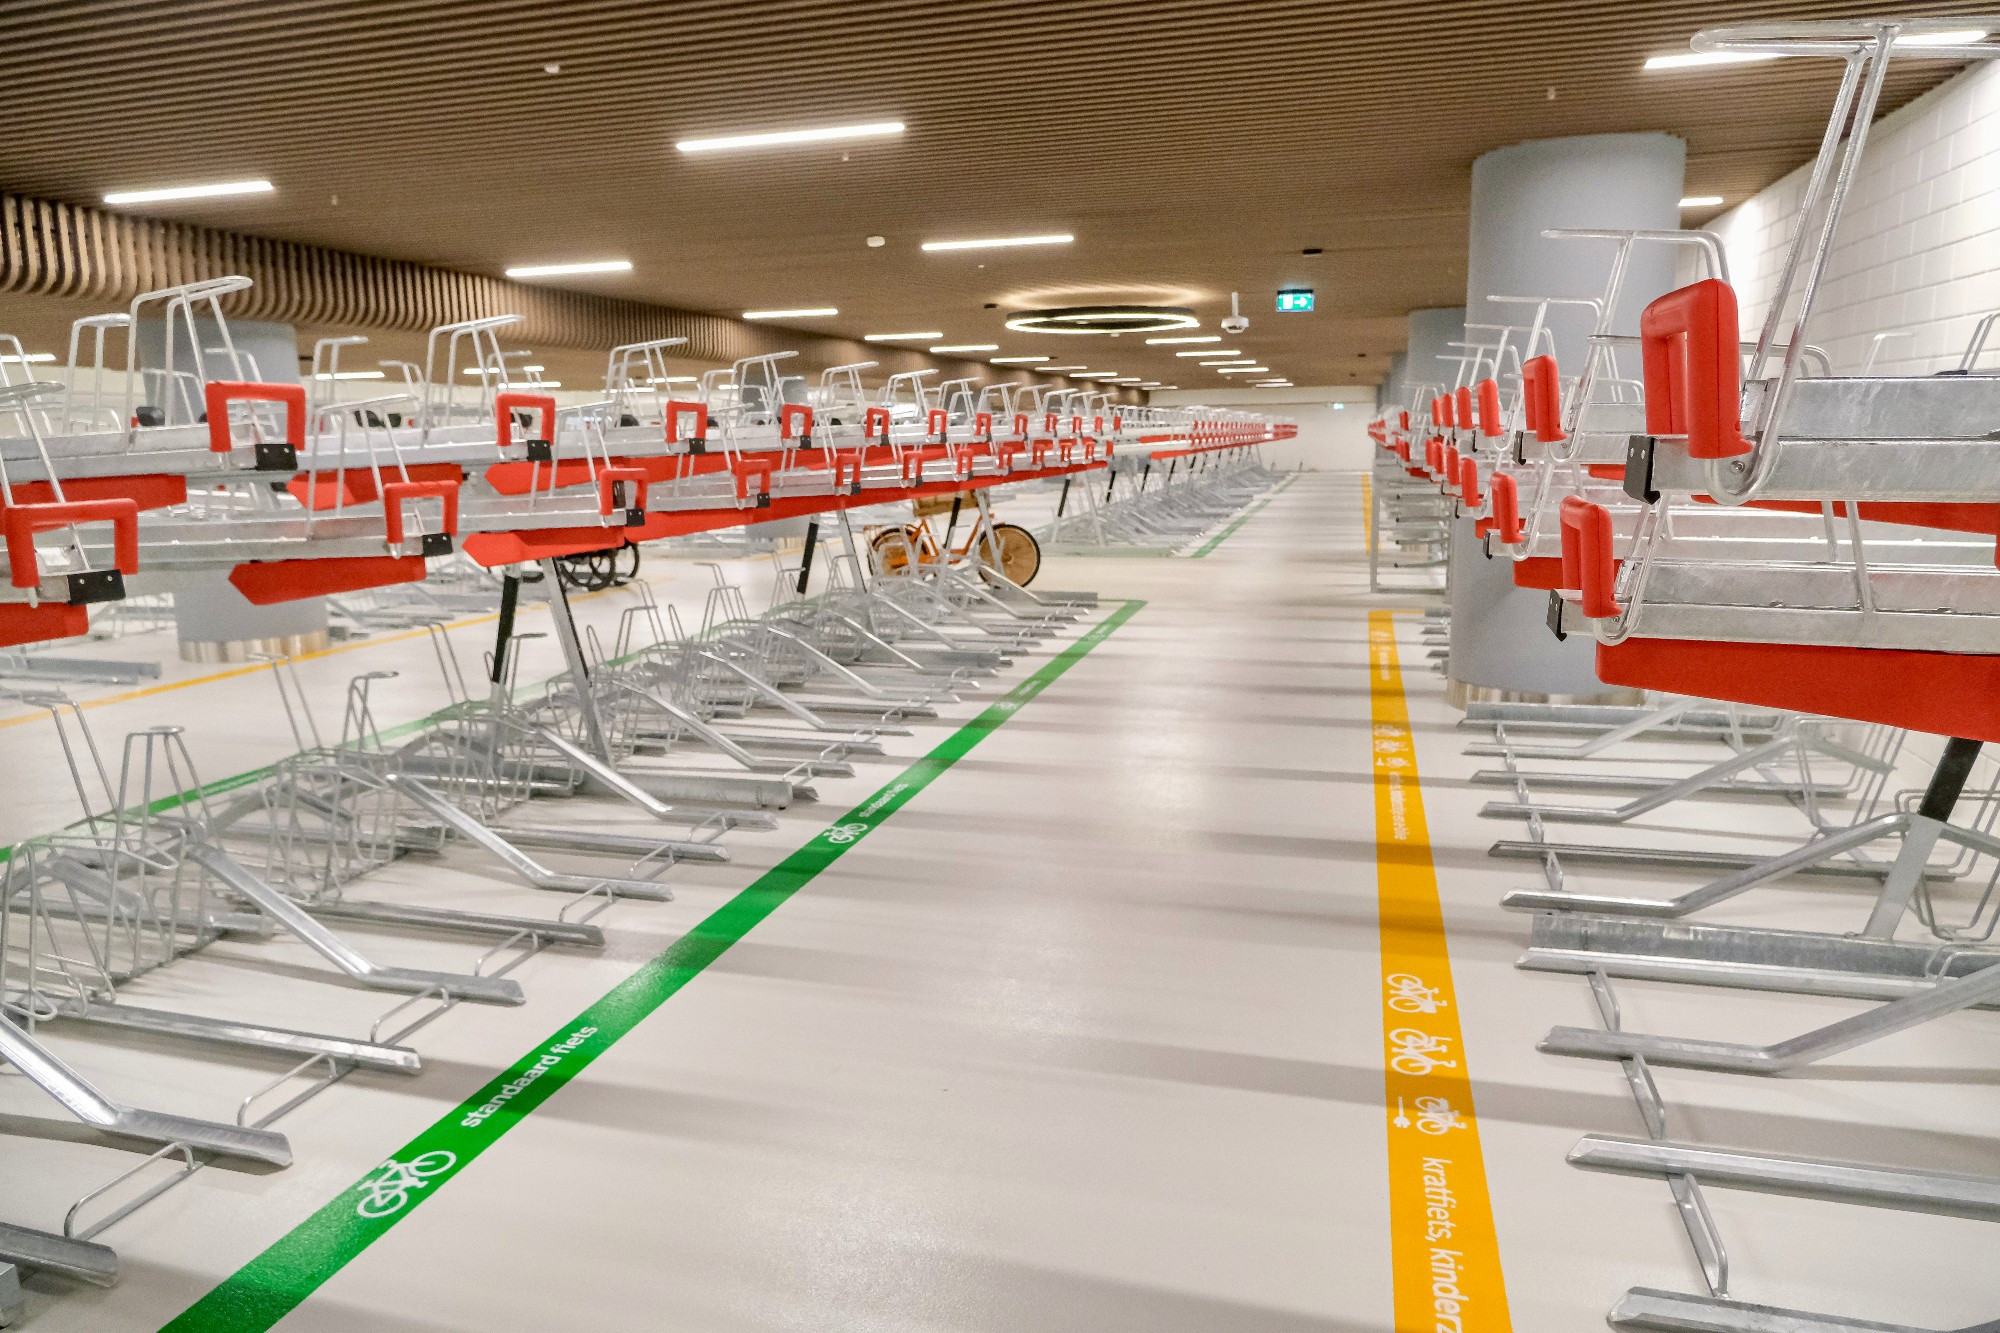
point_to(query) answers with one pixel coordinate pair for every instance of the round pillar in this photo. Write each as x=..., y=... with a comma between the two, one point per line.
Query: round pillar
x=216, y=623
x=1500, y=642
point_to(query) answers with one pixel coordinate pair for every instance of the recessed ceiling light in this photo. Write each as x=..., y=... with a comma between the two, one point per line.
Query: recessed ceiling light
x=967, y=347
x=352, y=375
x=723, y=143
x=1001, y=242
x=1194, y=338
x=1125, y=379
x=1212, y=351
x=188, y=192
x=899, y=337
x=807, y=312
x=1701, y=201
x=1095, y=375
x=1246, y=370
x=1087, y=319
x=1695, y=59
x=561, y=270
x=1016, y=360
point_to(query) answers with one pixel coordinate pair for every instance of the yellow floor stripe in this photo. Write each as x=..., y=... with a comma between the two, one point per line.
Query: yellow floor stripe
x=1445, y=1254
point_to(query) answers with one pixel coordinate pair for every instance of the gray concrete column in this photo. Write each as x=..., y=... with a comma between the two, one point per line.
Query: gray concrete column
x=216, y=623
x=1499, y=637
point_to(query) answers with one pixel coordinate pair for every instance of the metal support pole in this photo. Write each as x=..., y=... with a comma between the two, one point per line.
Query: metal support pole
x=510, y=597
x=579, y=669
x=806, y=562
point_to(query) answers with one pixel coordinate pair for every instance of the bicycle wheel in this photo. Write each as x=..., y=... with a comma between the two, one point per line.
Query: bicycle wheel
x=892, y=547
x=1020, y=553
x=632, y=550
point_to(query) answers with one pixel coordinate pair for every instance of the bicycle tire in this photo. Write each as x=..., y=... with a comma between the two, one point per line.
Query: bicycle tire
x=1020, y=553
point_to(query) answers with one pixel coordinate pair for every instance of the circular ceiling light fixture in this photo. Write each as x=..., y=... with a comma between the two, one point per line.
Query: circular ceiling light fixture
x=1104, y=319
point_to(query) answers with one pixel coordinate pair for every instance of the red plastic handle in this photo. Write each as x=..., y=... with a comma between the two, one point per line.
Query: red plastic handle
x=505, y=405
x=395, y=493
x=678, y=408
x=219, y=394
x=1468, y=481
x=791, y=414
x=1449, y=479
x=746, y=468
x=1402, y=421
x=1020, y=424
x=1541, y=385
x=934, y=423
x=1441, y=414
x=1489, y=409
x=1688, y=350
x=1507, y=509
x=1463, y=413
x=1588, y=565
x=875, y=423
x=982, y=424
x=22, y=522
x=608, y=482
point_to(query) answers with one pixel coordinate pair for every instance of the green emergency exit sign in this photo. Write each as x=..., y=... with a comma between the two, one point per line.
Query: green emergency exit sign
x=1299, y=298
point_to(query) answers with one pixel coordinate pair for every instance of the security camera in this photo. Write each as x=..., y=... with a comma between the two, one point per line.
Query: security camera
x=1235, y=323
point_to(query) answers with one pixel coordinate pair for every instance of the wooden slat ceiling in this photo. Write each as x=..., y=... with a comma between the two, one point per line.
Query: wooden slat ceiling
x=1194, y=147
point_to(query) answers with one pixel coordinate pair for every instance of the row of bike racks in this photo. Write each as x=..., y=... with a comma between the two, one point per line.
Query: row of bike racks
x=1797, y=568
x=1193, y=469
x=114, y=481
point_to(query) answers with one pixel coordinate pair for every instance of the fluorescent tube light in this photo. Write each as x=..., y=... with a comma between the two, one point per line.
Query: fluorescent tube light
x=1695, y=59
x=32, y=358
x=1016, y=360
x=188, y=192
x=1001, y=242
x=1053, y=369
x=967, y=347
x=1212, y=351
x=562, y=270
x=899, y=337
x=1245, y=361
x=351, y=375
x=1701, y=201
x=1246, y=370
x=808, y=312
x=1195, y=338
x=824, y=134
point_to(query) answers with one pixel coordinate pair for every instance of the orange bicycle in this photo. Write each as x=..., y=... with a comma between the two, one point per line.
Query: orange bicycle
x=896, y=546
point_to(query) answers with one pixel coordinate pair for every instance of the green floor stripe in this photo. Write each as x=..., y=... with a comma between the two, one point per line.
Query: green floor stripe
x=1225, y=534
x=271, y=1285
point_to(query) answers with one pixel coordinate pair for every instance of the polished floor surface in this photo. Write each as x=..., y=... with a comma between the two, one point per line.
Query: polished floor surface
x=1087, y=1036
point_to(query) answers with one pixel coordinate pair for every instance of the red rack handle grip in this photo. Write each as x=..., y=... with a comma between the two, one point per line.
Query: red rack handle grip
x=22, y=522
x=219, y=394
x=795, y=418
x=746, y=468
x=1462, y=414
x=1688, y=343
x=982, y=424
x=1507, y=509
x=506, y=404
x=1541, y=385
x=1589, y=567
x=1468, y=481
x=875, y=423
x=1489, y=409
x=396, y=493
x=608, y=481
x=934, y=424
x=678, y=408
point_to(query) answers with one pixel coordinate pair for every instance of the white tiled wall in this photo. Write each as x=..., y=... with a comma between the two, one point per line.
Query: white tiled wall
x=1919, y=242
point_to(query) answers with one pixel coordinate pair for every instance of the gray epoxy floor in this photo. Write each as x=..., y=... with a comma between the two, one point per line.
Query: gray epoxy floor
x=1086, y=1037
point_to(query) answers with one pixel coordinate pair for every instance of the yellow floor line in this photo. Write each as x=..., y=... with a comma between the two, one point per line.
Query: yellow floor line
x=1443, y=1247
